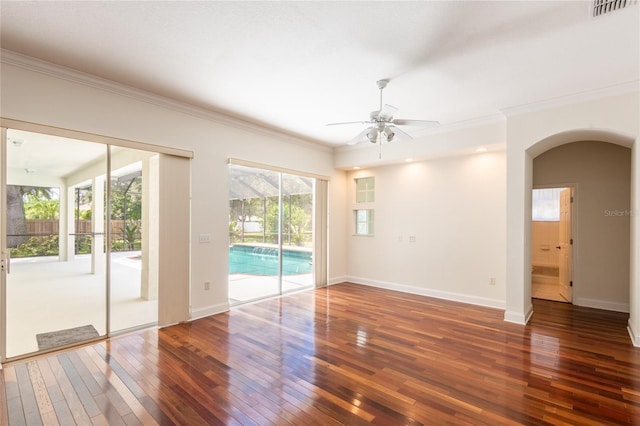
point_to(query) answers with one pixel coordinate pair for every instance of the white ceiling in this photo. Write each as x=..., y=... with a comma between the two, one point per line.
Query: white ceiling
x=45, y=155
x=297, y=66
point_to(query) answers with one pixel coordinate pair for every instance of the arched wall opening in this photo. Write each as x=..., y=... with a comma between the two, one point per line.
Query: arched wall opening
x=599, y=173
x=520, y=156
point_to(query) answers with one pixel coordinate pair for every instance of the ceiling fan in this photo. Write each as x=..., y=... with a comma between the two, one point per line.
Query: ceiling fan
x=382, y=125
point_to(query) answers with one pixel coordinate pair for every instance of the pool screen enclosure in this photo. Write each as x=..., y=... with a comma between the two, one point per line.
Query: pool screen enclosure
x=271, y=232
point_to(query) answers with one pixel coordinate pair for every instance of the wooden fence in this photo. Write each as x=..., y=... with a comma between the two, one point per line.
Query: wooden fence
x=48, y=227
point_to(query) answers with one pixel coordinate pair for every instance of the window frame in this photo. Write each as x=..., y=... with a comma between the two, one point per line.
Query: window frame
x=368, y=191
x=368, y=222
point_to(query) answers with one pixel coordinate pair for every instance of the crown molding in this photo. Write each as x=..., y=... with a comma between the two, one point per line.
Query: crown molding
x=463, y=124
x=64, y=73
x=561, y=101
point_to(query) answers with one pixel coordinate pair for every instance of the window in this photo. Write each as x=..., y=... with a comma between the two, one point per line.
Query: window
x=365, y=193
x=546, y=205
x=364, y=221
x=365, y=190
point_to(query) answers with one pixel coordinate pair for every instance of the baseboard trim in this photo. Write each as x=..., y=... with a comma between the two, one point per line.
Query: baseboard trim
x=338, y=280
x=208, y=311
x=635, y=340
x=429, y=292
x=518, y=317
x=602, y=304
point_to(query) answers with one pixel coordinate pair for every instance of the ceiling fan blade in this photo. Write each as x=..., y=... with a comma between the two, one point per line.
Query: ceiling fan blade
x=348, y=122
x=387, y=112
x=359, y=137
x=415, y=123
x=401, y=134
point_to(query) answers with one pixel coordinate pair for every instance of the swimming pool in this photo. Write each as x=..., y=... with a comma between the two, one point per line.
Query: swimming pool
x=252, y=260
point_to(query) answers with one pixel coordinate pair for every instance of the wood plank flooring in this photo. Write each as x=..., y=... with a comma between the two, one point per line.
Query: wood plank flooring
x=349, y=355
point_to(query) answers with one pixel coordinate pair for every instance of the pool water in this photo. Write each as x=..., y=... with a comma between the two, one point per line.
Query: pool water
x=252, y=260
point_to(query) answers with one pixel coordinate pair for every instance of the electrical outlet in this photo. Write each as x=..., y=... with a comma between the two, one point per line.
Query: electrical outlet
x=492, y=281
x=207, y=285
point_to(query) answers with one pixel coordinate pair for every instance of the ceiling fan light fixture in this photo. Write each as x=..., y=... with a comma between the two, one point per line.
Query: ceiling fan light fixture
x=382, y=124
x=389, y=134
x=372, y=135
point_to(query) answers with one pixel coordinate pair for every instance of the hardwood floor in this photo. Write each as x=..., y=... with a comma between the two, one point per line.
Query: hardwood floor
x=344, y=355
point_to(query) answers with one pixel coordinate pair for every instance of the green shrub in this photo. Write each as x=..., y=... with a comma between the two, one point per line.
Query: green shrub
x=37, y=246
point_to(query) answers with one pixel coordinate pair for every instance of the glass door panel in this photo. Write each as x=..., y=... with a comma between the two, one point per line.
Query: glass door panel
x=270, y=233
x=134, y=239
x=56, y=284
x=254, y=234
x=297, y=235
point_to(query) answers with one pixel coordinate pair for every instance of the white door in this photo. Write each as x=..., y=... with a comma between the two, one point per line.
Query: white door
x=566, y=244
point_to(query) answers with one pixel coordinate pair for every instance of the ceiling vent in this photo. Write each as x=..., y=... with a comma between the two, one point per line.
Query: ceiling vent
x=603, y=7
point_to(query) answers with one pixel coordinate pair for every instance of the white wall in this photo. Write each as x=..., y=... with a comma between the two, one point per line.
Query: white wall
x=545, y=236
x=37, y=92
x=455, y=208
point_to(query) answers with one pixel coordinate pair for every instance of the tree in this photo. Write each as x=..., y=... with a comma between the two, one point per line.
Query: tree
x=36, y=207
x=241, y=211
x=295, y=220
x=126, y=199
x=131, y=235
x=16, y=220
x=299, y=223
x=17, y=231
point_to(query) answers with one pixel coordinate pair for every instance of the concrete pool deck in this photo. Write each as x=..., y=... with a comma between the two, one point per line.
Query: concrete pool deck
x=245, y=288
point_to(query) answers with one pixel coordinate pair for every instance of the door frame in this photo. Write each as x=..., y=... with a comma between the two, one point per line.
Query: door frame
x=4, y=255
x=568, y=249
x=318, y=218
x=574, y=226
x=178, y=273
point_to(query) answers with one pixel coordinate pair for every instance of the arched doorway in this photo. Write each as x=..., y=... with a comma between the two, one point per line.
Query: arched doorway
x=599, y=175
x=602, y=116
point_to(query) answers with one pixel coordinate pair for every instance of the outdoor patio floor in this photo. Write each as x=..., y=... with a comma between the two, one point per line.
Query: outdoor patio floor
x=245, y=288
x=45, y=295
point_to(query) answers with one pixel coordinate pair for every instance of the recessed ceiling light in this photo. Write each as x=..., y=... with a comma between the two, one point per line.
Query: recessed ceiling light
x=481, y=149
x=356, y=167
x=408, y=160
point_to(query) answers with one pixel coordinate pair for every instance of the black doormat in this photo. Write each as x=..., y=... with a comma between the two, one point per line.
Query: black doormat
x=70, y=336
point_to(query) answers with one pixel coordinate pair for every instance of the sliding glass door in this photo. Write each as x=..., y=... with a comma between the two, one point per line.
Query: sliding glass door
x=297, y=232
x=134, y=239
x=55, y=286
x=270, y=233
x=80, y=241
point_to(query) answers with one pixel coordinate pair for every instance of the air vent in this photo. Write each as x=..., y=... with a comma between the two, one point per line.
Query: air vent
x=602, y=7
